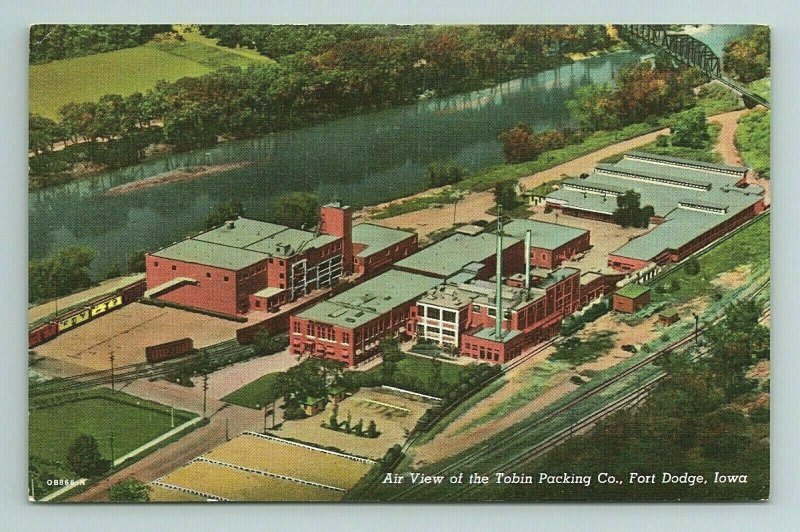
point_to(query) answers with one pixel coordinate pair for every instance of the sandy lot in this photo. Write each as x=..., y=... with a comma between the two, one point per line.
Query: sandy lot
x=128, y=331
x=393, y=424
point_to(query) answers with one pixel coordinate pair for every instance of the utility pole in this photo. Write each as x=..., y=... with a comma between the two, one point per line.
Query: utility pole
x=227, y=437
x=205, y=393
x=111, y=356
x=112, y=450
x=172, y=416
x=696, y=328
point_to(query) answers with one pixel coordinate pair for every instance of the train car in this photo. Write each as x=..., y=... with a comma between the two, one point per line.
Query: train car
x=168, y=350
x=42, y=334
x=133, y=291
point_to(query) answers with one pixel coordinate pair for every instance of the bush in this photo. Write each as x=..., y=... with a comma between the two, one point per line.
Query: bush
x=440, y=174
x=129, y=490
x=84, y=458
x=692, y=266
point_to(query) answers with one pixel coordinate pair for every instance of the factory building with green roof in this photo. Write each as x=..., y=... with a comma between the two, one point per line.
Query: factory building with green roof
x=247, y=264
x=694, y=203
x=376, y=248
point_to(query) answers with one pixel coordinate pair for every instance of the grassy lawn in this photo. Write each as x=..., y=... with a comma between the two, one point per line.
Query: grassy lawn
x=123, y=72
x=749, y=246
x=762, y=87
x=576, y=351
x=417, y=374
x=98, y=413
x=255, y=394
x=752, y=139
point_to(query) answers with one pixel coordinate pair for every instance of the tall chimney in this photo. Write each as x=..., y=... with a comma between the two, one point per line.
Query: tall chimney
x=498, y=298
x=528, y=261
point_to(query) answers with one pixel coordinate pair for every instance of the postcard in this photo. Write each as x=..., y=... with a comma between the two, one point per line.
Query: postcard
x=399, y=263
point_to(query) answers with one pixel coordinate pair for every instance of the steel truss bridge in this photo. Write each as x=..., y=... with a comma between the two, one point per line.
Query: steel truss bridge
x=688, y=51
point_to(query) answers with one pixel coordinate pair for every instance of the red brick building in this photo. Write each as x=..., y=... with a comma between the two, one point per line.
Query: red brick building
x=349, y=327
x=247, y=264
x=551, y=244
x=376, y=248
x=631, y=298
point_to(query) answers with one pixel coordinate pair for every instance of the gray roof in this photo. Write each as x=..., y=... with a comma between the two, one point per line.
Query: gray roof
x=633, y=154
x=370, y=299
x=452, y=254
x=206, y=253
x=244, y=232
x=543, y=235
x=377, y=238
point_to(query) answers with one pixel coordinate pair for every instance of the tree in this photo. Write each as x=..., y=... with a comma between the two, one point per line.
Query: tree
x=84, y=458
x=691, y=129
x=296, y=209
x=747, y=59
x=505, y=194
x=136, y=262
x=595, y=107
x=692, y=266
x=65, y=273
x=629, y=212
x=223, y=212
x=372, y=429
x=440, y=174
x=334, y=419
x=391, y=355
x=42, y=133
x=129, y=490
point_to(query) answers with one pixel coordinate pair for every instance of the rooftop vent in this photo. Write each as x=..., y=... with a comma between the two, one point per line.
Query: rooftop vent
x=230, y=224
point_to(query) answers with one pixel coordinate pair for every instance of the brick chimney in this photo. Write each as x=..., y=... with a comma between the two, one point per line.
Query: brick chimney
x=336, y=219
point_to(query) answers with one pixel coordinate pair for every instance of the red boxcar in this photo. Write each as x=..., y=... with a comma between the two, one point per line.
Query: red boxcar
x=167, y=350
x=42, y=333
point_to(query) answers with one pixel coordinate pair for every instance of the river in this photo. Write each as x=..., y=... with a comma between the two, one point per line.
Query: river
x=364, y=160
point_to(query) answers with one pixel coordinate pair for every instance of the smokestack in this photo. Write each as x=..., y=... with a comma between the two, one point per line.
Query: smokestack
x=498, y=298
x=528, y=261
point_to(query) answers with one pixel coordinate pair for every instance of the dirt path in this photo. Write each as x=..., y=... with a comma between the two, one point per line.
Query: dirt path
x=474, y=206
x=726, y=145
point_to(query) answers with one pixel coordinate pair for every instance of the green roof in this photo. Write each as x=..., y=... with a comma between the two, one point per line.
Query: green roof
x=633, y=290
x=668, y=313
x=370, y=299
x=488, y=334
x=543, y=235
x=206, y=253
x=289, y=242
x=243, y=233
x=692, y=162
x=269, y=291
x=377, y=238
x=311, y=401
x=450, y=255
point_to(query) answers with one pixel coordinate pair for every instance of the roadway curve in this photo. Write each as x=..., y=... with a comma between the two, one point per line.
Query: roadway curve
x=474, y=206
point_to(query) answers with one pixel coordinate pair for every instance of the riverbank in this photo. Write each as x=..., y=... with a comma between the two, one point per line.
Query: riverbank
x=551, y=166
x=189, y=173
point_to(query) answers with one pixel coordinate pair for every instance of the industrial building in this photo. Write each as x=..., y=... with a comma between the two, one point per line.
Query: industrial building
x=551, y=244
x=694, y=203
x=219, y=270
x=449, y=293
x=376, y=248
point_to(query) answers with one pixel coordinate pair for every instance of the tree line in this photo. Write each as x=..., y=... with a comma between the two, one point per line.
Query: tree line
x=314, y=79
x=747, y=59
x=50, y=42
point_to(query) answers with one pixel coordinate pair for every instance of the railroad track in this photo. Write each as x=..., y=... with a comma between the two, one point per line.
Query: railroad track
x=521, y=436
x=133, y=372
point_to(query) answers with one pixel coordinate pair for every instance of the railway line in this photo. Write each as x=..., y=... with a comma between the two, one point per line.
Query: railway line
x=520, y=437
x=134, y=371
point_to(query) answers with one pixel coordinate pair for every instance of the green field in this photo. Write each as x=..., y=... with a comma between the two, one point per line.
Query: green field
x=98, y=413
x=123, y=72
x=753, y=140
x=749, y=246
x=255, y=394
x=762, y=87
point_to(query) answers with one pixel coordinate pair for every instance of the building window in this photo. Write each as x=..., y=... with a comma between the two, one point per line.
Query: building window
x=282, y=285
x=449, y=315
x=434, y=313
x=225, y=278
x=280, y=263
x=280, y=276
x=155, y=263
x=492, y=311
x=346, y=338
x=296, y=327
x=208, y=274
x=174, y=267
x=258, y=303
x=476, y=308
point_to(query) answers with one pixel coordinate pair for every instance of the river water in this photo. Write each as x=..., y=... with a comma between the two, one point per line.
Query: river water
x=363, y=160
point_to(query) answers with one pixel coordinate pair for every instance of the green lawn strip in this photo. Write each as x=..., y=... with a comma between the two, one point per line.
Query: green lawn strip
x=416, y=204
x=749, y=246
x=753, y=140
x=538, y=379
x=762, y=87
x=416, y=374
x=257, y=393
x=99, y=413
